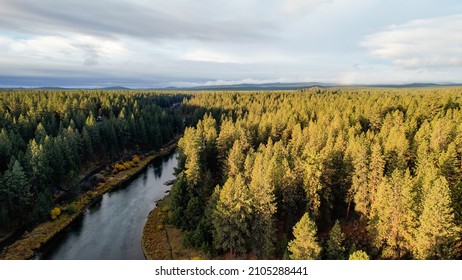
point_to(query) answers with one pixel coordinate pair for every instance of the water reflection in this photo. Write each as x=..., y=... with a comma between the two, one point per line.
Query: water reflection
x=112, y=228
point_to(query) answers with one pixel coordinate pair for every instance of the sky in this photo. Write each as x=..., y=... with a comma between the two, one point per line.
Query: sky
x=180, y=43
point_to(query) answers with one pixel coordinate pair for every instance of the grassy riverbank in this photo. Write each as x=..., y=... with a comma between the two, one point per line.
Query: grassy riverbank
x=30, y=242
x=162, y=241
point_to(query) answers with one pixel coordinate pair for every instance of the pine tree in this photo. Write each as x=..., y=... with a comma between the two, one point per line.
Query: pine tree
x=449, y=165
x=17, y=189
x=438, y=231
x=359, y=188
x=304, y=246
x=225, y=139
x=180, y=198
x=263, y=207
x=395, y=215
x=87, y=149
x=375, y=176
x=40, y=133
x=312, y=172
x=358, y=255
x=335, y=244
x=5, y=148
x=54, y=155
x=39, y=164
x=230, y=218
x=236, y=159
x=191, y=146
x=207, y=128
x=395, y=143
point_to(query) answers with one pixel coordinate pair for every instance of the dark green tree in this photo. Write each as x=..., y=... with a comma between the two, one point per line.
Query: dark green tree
x=17, y=190
x=336, y=243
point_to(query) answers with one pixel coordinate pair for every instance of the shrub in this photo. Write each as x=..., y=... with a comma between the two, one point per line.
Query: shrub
x=98, y=178
x=136, y=159
x=55, y=212
x=71, y=209
x=120, y=167
x=92, y=195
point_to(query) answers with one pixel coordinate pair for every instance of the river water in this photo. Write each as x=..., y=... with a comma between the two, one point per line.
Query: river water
x=112, y=228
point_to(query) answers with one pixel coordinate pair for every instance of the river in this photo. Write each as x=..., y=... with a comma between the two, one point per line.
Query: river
x=112, y=228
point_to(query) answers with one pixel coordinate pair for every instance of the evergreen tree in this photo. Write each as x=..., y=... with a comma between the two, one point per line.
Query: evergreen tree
x=202, y=237
x=263, y=208
x=304, y=246
x=39, y=164
x=437, y=231
x=4, y=217
x=358, y=255
x=230, y=218
x=208, y=131
x=17, y=190
x=225, y=139
x=395, y=215
x=360, y=191
x=180, y=198
x=312, y=172
x=335, y=244
x=375, y=176
x=40, y=133
x=5, y=149
x=193, y=212
x=87, y=145
x=236, y=159
x=191, y=146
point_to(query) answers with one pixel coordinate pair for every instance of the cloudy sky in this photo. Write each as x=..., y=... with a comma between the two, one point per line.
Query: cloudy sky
x=158, y=43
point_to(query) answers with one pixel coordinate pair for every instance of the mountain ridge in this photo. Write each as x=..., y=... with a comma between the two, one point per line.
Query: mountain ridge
x=247, y=86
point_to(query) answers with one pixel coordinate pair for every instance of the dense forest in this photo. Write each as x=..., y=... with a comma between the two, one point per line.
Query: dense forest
x=322, y=174
x=308, y=174
x=49, y=138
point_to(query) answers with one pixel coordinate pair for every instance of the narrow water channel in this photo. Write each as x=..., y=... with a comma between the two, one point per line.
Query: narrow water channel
x=112, y=228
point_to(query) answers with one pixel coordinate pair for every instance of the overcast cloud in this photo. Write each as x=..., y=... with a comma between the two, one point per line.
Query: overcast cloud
x=146, y=43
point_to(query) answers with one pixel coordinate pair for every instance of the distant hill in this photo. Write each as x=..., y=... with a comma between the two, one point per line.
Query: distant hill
x=50, y=88
x=414, y=85
x=114, y=88
x=268, y=86
x=69, y=88
x=291, y=86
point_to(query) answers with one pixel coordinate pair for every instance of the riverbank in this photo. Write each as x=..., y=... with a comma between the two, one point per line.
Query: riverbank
x=30, y=243
x=161, y=241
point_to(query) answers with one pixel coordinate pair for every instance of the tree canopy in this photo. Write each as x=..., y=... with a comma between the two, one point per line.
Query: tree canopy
x=384, y=163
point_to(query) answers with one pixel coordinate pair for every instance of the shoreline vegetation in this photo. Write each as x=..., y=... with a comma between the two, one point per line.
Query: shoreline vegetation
x=163, y=241
x=31, y=242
